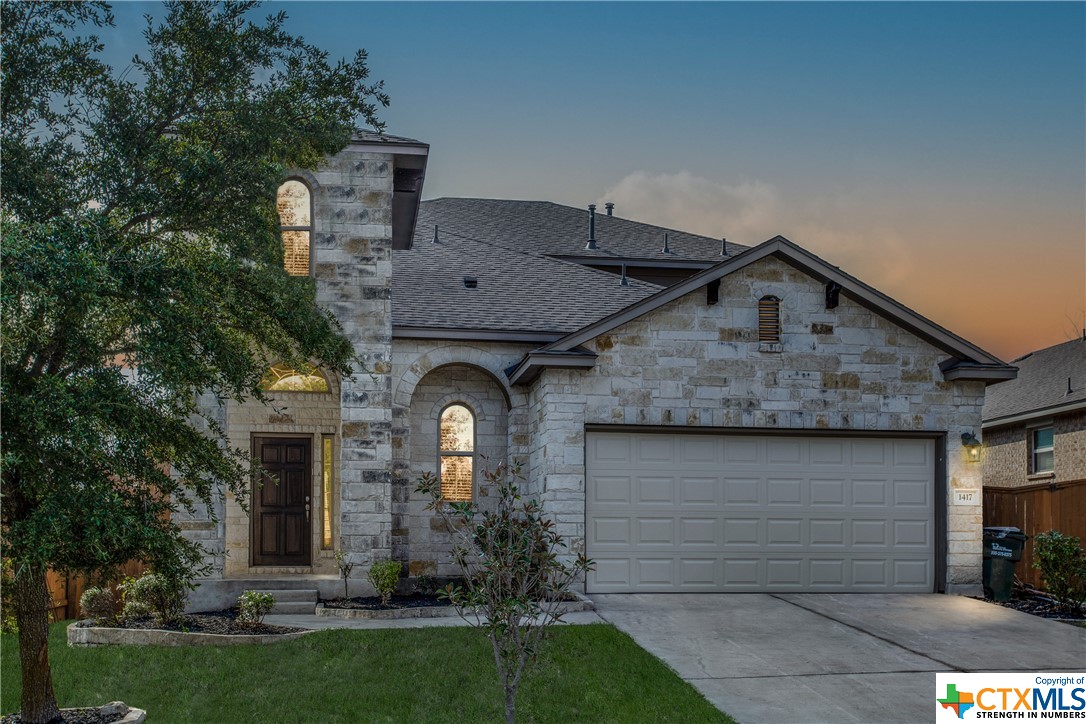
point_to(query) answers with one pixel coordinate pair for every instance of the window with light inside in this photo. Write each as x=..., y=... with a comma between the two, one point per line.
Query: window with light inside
x=456, y=452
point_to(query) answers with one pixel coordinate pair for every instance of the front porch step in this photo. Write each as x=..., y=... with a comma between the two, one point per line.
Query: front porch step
x=294, y=601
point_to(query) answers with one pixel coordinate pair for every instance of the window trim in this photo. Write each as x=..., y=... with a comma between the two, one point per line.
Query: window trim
x=1033, y=449
x=312, y=217
x=328, y=487
x=473, y=454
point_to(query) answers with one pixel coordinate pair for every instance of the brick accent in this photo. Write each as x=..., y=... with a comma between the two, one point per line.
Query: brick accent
x=1007, y=452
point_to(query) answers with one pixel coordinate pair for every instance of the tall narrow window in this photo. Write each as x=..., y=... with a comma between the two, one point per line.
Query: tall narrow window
x=296, y=223
x=1043, y=451
x=456, y=450
x=326, y=492
x=769, y=319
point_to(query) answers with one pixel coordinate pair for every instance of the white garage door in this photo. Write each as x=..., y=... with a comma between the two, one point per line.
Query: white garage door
x=696, y=512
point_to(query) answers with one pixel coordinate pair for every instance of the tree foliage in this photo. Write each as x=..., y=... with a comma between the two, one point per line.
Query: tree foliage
x=142, y=267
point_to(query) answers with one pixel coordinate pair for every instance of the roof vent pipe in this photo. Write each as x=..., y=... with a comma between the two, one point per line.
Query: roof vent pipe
x=610, y=208
x=1069, y=390
x=434, y=240
x=666, y=249
x=724, y=246
x=625, y=282
x=591, y=227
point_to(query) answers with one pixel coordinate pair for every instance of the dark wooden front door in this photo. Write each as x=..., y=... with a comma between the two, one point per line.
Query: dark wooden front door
x=280, y=510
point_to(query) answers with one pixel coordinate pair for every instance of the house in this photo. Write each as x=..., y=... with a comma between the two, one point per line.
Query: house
x=695, y=415
x=1035, y=426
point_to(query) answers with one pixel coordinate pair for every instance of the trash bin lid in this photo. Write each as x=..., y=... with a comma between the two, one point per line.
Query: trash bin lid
x=1001, y=531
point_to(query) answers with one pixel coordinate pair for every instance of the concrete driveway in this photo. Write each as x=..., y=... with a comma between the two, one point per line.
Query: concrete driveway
x=836, y=658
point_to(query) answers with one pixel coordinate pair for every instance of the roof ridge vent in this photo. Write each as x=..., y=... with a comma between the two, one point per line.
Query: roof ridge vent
x=471, y=282
x=591, y=228
x=666, y=249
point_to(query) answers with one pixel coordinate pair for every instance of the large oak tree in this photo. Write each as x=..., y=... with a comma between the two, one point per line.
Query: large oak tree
x=142, y=266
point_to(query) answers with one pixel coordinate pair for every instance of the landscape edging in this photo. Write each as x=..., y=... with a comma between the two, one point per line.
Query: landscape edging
x=581, y=604
x=106, y=636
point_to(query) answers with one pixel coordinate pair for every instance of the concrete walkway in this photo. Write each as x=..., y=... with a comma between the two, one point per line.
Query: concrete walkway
x=836, y=658
x=325, y=622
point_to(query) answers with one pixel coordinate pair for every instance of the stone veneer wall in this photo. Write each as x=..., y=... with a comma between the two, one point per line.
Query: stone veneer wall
x=429, y=542
x=289, y=414
x=692, y=364
x=427, y=375
x=1007, y=453
x=352, y=266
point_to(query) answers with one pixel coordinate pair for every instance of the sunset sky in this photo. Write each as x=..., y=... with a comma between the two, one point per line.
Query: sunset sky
x=935, y=150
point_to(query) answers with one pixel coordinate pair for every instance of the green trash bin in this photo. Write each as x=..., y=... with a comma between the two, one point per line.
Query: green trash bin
x=1002, y=549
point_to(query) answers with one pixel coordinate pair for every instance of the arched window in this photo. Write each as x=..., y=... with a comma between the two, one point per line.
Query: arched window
x=456, y=452
x=769, y=319
x=281, y=378
x=296, y=224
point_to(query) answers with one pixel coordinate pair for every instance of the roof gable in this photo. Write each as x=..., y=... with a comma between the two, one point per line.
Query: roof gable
x=1050, y=381
x=967, y=360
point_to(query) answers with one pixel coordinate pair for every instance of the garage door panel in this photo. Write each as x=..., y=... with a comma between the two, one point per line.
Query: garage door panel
x=719, y=513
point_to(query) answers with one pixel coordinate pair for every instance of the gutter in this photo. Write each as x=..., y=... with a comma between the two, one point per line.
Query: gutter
x=1057, y=409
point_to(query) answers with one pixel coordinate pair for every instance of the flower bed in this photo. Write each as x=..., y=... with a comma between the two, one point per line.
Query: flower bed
x=413, y=606
x=113, y=713
x=216, y=628
x=1035, y=603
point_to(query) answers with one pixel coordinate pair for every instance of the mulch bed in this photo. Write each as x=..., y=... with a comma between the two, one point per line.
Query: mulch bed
x=373, y=603
x=1034, y=603
x=210, y=622
x=89, y=715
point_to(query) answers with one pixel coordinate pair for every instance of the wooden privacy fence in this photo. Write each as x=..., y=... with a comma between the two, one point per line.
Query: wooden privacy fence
x=66, y=590
x=1036, y=509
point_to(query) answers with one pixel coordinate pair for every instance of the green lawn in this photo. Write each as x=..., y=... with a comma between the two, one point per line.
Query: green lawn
x=589, y=673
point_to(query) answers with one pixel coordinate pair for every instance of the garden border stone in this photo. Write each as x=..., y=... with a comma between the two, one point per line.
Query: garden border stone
x=581, y=604
x=106, y=636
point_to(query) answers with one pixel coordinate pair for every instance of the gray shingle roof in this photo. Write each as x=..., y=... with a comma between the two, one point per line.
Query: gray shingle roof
x=516, y=292
x=1041, y=383
x=546, y=228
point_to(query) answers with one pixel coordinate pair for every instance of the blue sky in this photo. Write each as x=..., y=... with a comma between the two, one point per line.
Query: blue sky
x=934, y=149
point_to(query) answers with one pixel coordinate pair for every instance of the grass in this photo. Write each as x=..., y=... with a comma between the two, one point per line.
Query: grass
x=585, y=673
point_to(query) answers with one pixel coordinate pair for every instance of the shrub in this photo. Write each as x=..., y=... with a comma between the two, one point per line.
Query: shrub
x=516, y=572
x=253, y=606
x=99, y=604
x=345, y=567
x=155, y=593
x=7, y=597
x=426, y=585
x=1062, y=563
x=384, y=575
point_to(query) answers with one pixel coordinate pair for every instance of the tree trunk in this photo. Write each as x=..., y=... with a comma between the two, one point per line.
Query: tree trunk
x=510, y=704
x=32, y=603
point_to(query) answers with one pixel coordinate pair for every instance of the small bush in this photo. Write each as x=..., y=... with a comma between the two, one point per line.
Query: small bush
x=161, y=596
x=426, y=585
x=1062, y=563
x=7, y=597
x=384, y=575
x=253, y=606
x=99, y=604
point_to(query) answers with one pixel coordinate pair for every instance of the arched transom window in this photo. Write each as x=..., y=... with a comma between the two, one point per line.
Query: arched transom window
x=296, y=224
x=456, y=452
x=769, y=319
x=281, y=378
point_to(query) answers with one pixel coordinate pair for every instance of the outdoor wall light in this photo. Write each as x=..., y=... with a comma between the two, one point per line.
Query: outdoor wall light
x=972, y=447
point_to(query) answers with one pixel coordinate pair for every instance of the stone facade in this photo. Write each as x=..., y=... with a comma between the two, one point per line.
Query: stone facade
x=428, y=376
x=686, y=364
x=690, y=364
x=1007, y=452
x=352, y=266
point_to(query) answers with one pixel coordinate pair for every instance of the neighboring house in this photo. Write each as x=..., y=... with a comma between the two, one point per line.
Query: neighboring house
x=695, y=415
x=1035, y=426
